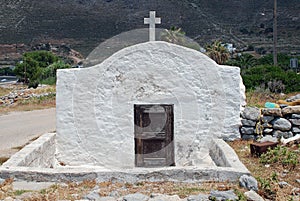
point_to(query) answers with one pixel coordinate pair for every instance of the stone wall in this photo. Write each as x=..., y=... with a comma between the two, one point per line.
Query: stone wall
x=276, y=122
x=40, y=153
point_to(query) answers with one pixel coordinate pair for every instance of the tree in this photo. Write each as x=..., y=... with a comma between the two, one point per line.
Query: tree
x=31, y=69
x=218, y=52
x=243, y=61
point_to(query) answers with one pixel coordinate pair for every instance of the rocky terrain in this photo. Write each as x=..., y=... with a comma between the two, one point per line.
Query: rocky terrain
x=83, y=24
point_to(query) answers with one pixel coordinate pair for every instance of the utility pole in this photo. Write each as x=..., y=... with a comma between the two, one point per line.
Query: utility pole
x=275, y=34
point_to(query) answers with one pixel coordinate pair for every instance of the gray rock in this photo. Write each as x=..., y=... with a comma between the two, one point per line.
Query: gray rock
x=223, y=195
x=291, y=110
x=247, y=130
x=279, y=134
x=247, y=122
x=267, y=119
x=135, y=197
x=160, y=197
x=106, y=199
x=283, y=184
x=200, y=197
x=253, y=196
x=295, y=116
x=1, y=181
x=282, y=124
x=276, y=112
x=296, y=130
x=293, y=98
x=267, y=125
x=268, y=130
x=268, y=138
x=93, y=195
x=114, y=194
x=248, y=182
x=295, y=122
x=251, y=113
x=248, y=137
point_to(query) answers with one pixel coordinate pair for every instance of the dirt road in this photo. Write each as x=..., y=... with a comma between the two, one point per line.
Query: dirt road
x=17, y=128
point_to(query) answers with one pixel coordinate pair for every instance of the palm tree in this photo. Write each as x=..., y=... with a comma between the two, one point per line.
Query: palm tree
x=217, y=52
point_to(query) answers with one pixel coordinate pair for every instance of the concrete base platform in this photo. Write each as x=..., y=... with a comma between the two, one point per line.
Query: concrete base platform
x=36, y=162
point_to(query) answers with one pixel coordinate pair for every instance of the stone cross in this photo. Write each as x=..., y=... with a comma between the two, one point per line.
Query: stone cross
x=152, y=21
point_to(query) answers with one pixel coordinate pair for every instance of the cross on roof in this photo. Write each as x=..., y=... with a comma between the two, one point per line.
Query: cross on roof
x=152, y=21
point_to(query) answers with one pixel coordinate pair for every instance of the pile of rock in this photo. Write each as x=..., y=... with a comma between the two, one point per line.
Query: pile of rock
x=270, y=121
x=22, y=94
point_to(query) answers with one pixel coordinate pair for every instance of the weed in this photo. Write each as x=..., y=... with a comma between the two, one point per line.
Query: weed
x=282, y=155
x=20, y=192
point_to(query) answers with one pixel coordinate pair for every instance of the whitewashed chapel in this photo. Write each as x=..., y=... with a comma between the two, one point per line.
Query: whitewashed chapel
x=148, y=105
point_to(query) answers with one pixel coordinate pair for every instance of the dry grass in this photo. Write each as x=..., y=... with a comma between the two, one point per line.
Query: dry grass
x=271, y=174
x=29, y=104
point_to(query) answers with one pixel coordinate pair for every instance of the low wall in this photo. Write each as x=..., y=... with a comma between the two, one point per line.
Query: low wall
x=275, y=122
x=40, y=153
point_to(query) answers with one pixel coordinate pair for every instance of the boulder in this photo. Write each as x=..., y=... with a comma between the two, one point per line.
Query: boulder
x=200, y=197
x=291, y=110
x=222, y=195
x=251, y=113
x=296, y=130
x=268, y=130
x=282, y=124
x=279, y=134
x=253, y=196
x=248, y=182
x=159, y=197
x=275, y=112
x=295, y=116
x=295, y=122
x=293, y=98
x=247, y=130
x=247, y=122
x=267, y=119
x=136, y=197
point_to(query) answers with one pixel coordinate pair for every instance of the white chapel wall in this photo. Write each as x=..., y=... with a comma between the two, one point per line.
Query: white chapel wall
x=95, y=105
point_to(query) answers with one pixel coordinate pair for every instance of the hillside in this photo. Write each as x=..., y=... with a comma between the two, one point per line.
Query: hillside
x=83, y=24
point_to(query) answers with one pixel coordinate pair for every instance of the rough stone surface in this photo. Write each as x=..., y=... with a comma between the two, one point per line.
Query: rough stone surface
x=200, y=197
x=253, y=196
x=248, y=182
x=295, y=116
x=295, y=122
x=223, y=195
x=40, y=153
x=268, y=130
x=276, y=112
x=296, y=130
x=293, y=98
x=159, y=197
x=282, y=124
x=268, y=138
x=248, y=137
x=267, y=119
x=136, y=197
x=251, y=113
x=246, y=122
x=95, y=121
x=247, y=130
x=279, y=134
x=291, y=110
x=93, y=195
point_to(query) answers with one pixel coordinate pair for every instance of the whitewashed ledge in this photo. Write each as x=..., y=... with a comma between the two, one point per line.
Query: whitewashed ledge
x=42, y=151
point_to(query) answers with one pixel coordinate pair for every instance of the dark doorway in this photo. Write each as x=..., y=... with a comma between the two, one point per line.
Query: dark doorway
x=154, y=135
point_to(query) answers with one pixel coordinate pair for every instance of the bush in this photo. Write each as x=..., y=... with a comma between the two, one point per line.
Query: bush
x=273, y=78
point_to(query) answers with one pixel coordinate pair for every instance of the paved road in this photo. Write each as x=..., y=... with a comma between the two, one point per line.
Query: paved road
x=17, y=128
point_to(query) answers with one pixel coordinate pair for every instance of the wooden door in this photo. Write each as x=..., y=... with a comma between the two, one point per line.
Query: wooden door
x=154, y=135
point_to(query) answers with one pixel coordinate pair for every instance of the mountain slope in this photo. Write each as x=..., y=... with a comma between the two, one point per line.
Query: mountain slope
x=85, y=23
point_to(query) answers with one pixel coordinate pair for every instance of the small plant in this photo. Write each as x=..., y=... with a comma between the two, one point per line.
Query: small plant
x=281, y=155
